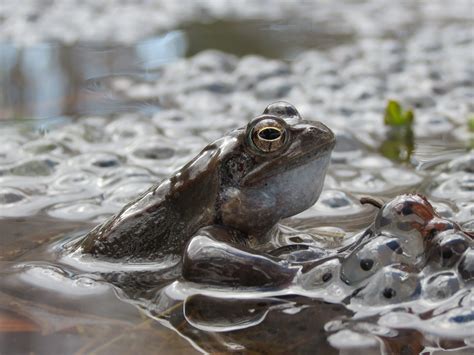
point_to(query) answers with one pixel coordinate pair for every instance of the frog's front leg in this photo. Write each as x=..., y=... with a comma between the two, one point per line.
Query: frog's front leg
x=215, y=255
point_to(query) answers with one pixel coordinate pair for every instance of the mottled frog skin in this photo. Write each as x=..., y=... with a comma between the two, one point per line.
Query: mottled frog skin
x=236, y=189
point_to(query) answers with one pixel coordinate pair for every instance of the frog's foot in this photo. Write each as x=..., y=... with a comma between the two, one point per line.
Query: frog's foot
x=214, y=256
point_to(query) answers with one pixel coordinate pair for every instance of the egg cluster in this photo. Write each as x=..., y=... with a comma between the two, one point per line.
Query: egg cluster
x=412, y=252
x=412, y=269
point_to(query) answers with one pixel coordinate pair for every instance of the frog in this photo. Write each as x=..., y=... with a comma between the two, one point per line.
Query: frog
x=217, y=207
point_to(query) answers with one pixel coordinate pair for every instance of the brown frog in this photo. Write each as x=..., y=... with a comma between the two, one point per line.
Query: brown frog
x=231, y=193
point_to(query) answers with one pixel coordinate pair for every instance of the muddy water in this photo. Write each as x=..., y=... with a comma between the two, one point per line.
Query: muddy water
x=86, y=126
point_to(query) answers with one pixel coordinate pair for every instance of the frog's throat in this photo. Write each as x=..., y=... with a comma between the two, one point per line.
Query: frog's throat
x=263, y=172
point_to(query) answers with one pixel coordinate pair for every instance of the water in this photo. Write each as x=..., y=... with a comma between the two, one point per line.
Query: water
x=86, y=126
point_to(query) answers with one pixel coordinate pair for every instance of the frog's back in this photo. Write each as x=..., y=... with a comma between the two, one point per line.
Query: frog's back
x=162, y=219
x=140, y=228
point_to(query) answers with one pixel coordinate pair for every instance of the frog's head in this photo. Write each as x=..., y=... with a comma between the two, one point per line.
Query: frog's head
x=276, y=170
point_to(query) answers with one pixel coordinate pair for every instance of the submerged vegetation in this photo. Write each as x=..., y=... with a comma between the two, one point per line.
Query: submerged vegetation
x=399, y=142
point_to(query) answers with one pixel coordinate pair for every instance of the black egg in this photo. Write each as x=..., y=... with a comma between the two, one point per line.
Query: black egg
x=371, y=256
x=466, y=266
x=447, y=248
x=441, y=285
x=366, y=264
x=389, y=292
x=391, y=284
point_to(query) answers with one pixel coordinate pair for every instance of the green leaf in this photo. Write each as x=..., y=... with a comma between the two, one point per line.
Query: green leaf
x=470, y=123
x=395, y=116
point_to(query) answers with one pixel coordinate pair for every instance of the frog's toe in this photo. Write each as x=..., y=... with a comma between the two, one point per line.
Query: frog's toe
x=214, y=262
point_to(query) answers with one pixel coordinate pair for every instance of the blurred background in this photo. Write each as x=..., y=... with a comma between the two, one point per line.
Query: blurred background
x=57, y=55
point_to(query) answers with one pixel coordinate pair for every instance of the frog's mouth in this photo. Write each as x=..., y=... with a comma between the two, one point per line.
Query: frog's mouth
x=277, y=165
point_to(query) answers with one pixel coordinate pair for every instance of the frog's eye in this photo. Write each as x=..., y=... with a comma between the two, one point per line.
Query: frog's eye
x=268, y=135
x=282, y=109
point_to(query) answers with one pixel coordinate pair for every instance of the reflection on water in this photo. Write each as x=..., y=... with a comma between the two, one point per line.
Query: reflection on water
x=50, y=80
x=277, y=39
x=399, y=144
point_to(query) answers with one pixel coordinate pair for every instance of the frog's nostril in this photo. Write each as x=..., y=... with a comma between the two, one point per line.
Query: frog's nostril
x=312, y=130
x=316, y=132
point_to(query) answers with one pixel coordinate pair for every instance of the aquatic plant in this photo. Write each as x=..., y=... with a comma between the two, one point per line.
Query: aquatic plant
x=399, y=142
x=395, y=116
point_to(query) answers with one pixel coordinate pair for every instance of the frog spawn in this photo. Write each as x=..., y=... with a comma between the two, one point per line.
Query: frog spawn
x=410, y=253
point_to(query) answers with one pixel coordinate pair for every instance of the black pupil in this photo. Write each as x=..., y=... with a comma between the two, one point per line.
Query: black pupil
x=269, y=134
